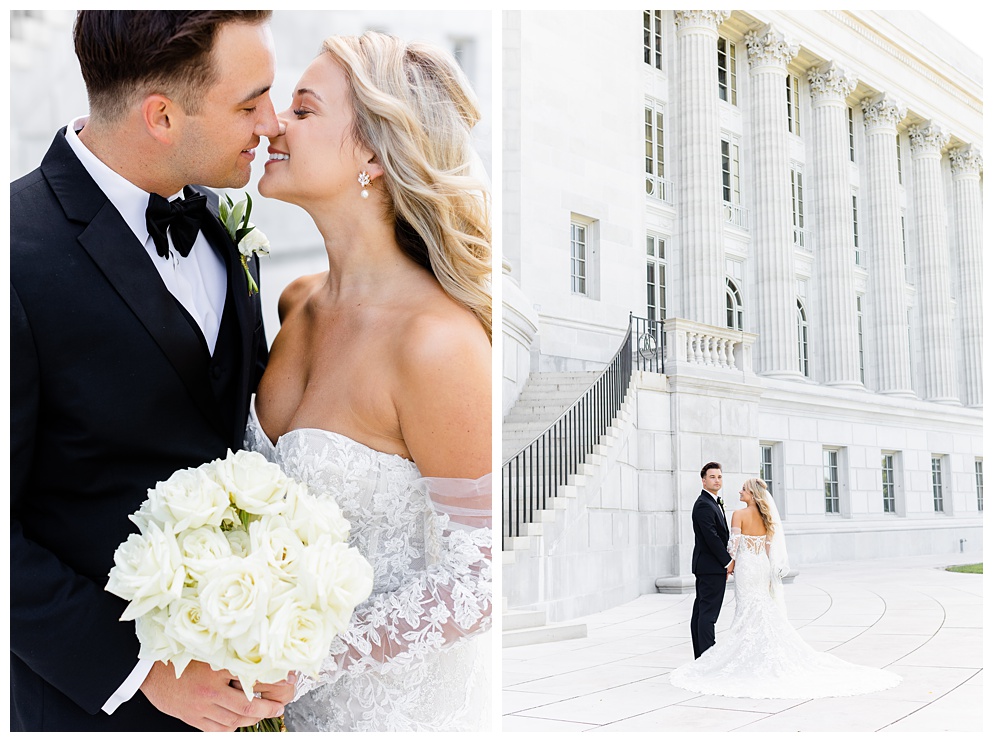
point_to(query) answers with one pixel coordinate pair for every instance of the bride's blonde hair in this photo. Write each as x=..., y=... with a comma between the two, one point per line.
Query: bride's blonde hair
x=758, y=489
x=414, y=108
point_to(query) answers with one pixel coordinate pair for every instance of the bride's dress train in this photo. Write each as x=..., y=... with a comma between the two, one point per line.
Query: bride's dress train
x=761, y=655
x=409, y=660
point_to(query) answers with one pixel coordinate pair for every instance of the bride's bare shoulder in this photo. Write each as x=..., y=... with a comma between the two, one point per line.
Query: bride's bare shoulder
x=442, y=331
x=296, y=293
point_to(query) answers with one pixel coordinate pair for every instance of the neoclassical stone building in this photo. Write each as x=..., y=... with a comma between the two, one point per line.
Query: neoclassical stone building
x=797, y=196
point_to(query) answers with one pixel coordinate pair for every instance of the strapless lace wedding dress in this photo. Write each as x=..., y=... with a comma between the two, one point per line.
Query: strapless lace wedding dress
x=762, y=656
x=412, y=658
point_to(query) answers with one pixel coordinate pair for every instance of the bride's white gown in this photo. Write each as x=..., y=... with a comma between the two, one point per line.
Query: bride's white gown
x=761, y=655
x=411, y=658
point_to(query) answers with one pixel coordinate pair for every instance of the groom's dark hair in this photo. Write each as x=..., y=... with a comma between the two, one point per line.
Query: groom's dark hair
x=124, y=54
x=707, y=467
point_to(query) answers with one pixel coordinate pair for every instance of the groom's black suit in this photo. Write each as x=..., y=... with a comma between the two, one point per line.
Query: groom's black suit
x=710, y=559
x=112, y=389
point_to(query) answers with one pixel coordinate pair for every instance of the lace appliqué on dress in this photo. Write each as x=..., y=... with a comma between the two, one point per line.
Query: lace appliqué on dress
x=409, y=659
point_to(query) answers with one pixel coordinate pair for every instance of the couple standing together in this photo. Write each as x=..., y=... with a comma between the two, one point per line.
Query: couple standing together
x=761, y=656
x=137, y=344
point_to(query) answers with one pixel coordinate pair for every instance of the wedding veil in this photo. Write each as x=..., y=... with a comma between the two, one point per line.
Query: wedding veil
x=779, y=561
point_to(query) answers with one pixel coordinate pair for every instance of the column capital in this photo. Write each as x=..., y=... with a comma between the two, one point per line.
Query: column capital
x=927, y=139
x=828, y=82
x=768, y=47
x=966, y=160
x=882, y=112
x=709, y=19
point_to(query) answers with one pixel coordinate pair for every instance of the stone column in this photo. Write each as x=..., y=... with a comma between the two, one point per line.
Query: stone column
x=836, y=322
x=967, y=162
x=887, y=305
x=926, y=143
x=701, y=226
x=775, y=288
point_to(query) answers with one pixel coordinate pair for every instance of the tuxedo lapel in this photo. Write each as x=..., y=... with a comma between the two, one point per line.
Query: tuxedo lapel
x=111, y=244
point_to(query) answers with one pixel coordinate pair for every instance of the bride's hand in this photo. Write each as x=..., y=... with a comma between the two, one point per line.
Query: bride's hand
x=281, y=692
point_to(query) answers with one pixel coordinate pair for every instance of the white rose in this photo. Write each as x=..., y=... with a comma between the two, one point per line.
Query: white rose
x=312, y=517
x=334, y=578
x=148, y=571
x=186, y=629
x=238, y=541
x=188, y=499
x=155, y=644
x=256, y=485
x=277, y=542
x=254, y=242
x=298, y=637
x=245, y=659
x=201, y=548
x=234, y=595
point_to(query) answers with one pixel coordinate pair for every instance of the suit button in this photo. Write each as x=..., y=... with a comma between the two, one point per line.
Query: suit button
x=216, y=372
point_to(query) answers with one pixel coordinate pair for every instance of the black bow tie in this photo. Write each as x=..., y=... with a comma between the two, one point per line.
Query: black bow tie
x=181, y=217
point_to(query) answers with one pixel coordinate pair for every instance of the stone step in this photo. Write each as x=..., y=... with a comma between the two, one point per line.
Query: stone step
x=517, y=620
x=543, y=635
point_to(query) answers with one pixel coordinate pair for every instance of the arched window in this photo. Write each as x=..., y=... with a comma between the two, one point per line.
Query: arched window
x=736, y=313
x=801, y=338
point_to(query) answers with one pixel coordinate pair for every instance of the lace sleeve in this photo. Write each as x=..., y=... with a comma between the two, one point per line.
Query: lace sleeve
x=734, y=541
x=447, y=602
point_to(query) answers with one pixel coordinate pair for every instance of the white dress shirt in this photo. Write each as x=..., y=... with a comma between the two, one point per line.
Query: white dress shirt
x=198, y=281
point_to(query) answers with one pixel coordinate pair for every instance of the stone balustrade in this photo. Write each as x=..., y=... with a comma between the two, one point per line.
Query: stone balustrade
x=697, y=344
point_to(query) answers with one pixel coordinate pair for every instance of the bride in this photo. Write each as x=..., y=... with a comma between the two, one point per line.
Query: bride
x=762, y=656
x=378, y=391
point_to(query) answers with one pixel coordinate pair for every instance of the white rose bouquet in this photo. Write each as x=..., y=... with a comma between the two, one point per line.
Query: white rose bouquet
x=240, y=567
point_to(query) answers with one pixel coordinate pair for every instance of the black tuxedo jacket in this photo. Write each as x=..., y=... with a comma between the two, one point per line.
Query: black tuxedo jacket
x=710, y=531
x=112, y=389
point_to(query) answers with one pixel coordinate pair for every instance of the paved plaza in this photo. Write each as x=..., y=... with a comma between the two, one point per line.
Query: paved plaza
x=909, y=616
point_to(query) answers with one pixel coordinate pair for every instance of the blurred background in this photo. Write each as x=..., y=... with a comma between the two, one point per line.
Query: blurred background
x=47, y=91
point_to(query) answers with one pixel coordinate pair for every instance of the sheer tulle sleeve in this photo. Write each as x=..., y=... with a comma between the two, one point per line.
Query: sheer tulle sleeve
x=446, y=603
x=733, y=542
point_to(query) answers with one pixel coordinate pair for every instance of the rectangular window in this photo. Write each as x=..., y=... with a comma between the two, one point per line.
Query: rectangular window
x=653, y=38
x=731, y=181
x=727, y=71
x=889, y=484
x=802, y=338
x=655, y=277
x=903, y=238
x=936, y=485
x=765, y=466
x=793, y=103
x=855, y=229
x=899, y=160
x=796, y=188
x=655, y=183
x=979, y=484
x=851, y=134
x=832, y=499
x=578, y=246
x=910, y=346
x=858, y=316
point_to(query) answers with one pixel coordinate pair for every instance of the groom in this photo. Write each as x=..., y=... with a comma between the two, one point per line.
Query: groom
x=135, y=347
x=711, y=563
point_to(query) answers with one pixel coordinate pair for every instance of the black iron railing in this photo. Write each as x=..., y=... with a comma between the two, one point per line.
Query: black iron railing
x=533, y=475
x=648, y=344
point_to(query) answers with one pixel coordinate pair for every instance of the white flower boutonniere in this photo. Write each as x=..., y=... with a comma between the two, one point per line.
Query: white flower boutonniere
x=249, y=238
